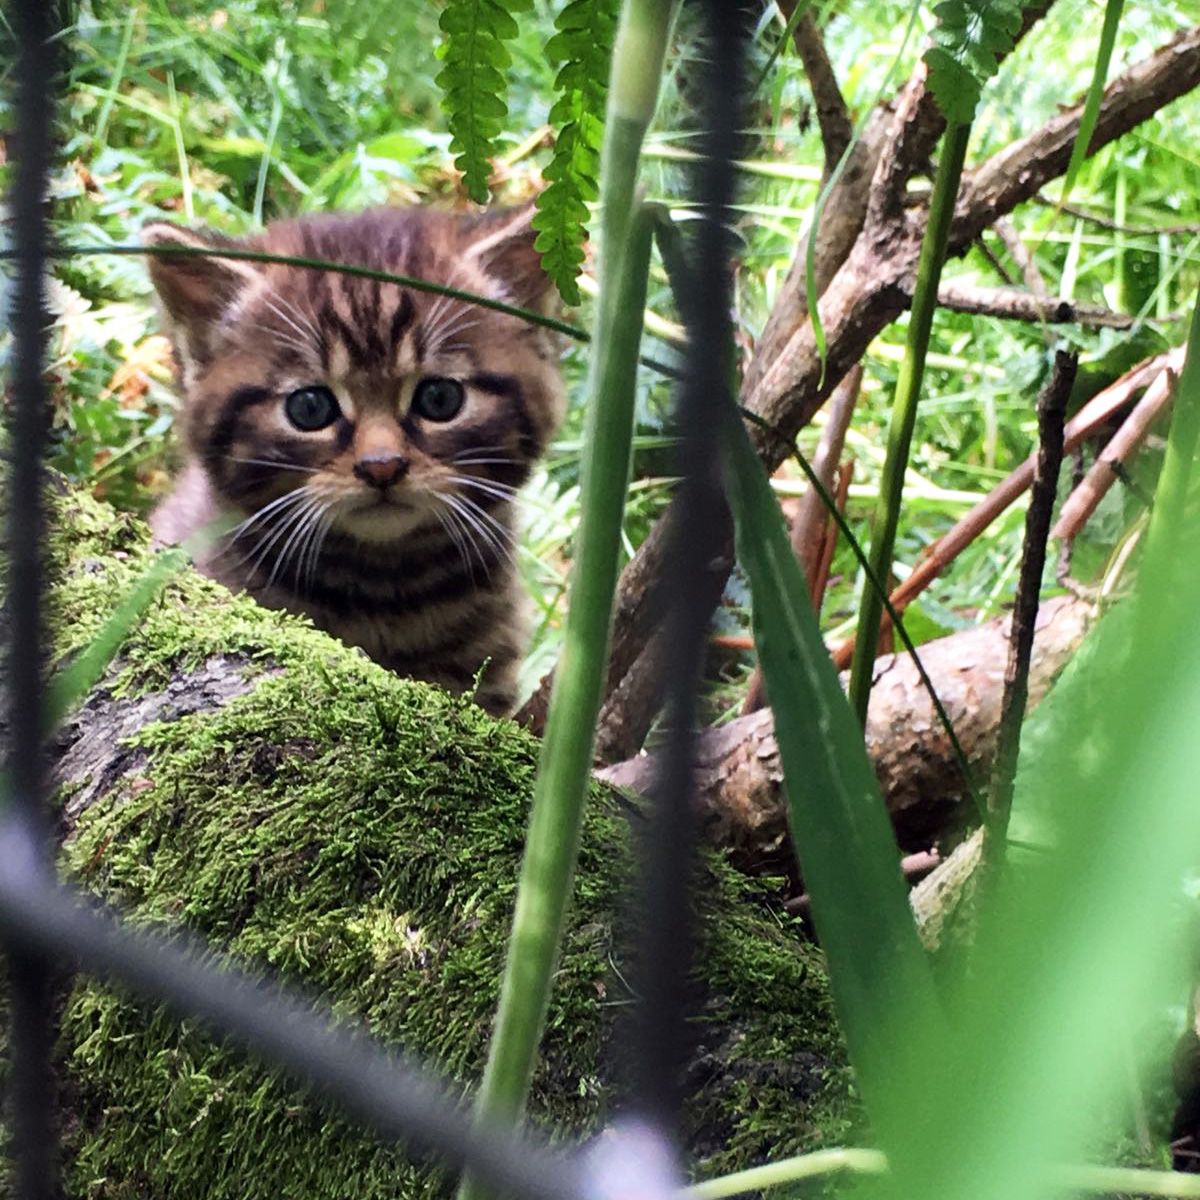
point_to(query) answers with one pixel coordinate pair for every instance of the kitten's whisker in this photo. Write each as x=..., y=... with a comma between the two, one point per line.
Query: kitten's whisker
x=439, y=340
x=276, y=506
x=296, y=528
x=262, y=548
x=493, y=487
x=284, y=338
x=317, y=543
x=482, y=462
x=468, y=533
x=304, y=541
x=453, y=534
x=269, y=462
x=471, y=513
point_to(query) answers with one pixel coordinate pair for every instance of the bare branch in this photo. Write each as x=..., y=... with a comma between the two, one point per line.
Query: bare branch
x=1015, y=305
x=833, y=115
x=1105, y=470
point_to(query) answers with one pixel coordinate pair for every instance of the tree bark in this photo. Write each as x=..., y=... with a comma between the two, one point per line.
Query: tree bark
x=740, y=777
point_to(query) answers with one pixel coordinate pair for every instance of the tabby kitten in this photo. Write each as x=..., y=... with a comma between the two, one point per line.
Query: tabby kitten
x=366, y=440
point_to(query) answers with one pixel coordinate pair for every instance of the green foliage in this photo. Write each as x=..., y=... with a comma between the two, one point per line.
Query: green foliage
x=859, y=902
x=474, y=81
x=969, y=40
x=580, y=49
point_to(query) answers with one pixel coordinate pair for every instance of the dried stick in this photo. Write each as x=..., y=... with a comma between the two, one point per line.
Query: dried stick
x=812, y=521
x=1051, y=411
x=947, y=548
x=1013, y=304
x=1022, y=256
x=1110, y=463
x=845, y=475
x=833, y=114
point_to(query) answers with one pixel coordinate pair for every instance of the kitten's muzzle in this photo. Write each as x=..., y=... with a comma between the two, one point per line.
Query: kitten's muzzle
x=381, y=470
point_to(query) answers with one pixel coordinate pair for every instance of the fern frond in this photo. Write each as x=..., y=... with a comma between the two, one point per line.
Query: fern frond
x=970, y=38
x=581, y=48
x=473, y=81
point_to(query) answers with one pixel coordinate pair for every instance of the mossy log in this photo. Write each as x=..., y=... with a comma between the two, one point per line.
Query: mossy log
x=240, y=774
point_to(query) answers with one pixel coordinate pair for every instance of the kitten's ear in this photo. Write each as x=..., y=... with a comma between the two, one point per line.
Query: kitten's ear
x=195, y=290
x=503, y=245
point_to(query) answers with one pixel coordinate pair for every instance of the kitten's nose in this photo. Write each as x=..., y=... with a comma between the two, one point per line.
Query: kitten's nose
x=381, y=470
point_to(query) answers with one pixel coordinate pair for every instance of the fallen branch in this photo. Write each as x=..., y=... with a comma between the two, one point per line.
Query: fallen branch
x=738, y=774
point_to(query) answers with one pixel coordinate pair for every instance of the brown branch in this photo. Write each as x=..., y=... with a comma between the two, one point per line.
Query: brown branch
x=1094, y=486
x=1020, y=170
x=739, y=776
x=786, y=381
x=1051, y=411
x=1022, y=256
x=845, y=475
x=1013, y=304
x=833, y=114
x=812, y=518
x=948, y=547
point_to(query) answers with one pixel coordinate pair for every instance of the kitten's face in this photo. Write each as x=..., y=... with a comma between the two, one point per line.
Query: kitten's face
x=375, y=407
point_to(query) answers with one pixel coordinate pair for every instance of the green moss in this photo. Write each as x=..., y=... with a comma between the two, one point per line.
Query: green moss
x=361, y=834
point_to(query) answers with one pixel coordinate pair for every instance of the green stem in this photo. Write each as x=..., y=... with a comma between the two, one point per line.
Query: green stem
x=1131, y=1181
x=1091, y=106
x=564, y=769
x=904, y=408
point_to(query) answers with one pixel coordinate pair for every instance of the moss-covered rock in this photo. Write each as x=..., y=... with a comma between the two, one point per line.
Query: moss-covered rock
x=359, y=834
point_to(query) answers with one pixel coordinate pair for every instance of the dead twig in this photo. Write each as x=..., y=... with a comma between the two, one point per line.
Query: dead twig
x=1013, y=304
x=947, y=548
x=1105, y=471
x=812, y=520
x=1051, y=411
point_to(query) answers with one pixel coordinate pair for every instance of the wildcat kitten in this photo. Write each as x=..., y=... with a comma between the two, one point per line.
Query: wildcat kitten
x=366, y=439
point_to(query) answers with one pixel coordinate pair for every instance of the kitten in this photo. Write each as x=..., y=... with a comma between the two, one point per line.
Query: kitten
x=366, y=439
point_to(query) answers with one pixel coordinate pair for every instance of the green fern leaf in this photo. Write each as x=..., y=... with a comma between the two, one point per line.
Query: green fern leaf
x=970, y=38
x=581, y=48
x=473, y=81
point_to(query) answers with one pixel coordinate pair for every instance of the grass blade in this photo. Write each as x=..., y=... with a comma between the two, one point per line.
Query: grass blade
x=838, y=819
x=72, y=683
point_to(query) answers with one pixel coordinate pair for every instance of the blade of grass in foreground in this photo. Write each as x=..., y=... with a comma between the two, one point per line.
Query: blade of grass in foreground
x=1082, y=940
x=564, y=766
x=71, y=684
x=881, y=981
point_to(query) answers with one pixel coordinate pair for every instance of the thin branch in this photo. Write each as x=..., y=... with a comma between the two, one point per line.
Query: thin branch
x=1022, y=256
x=1110, y=463
x=812, y=520
x=1103, y=222
x=948, y=547
x=833, y=114
x=1051, y=410
x=1013, y=304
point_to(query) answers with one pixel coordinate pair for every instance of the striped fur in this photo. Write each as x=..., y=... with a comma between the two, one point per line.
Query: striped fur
x=392, y=530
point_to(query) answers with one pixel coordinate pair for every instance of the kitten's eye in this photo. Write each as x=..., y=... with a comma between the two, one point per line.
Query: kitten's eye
x=438, y=399
x=311, y=408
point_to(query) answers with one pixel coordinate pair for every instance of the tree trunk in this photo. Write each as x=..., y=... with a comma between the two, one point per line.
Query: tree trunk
x=239, y=773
